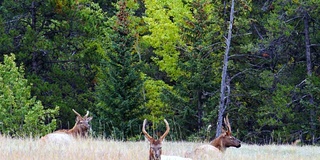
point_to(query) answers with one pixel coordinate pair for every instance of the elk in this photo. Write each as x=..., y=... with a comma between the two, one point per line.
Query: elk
x=216, y=146
x=226, y=139
x=156, y=145
x=80, y=129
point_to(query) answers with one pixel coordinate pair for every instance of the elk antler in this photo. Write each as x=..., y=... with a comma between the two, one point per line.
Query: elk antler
x=167, y=130
x=76, y=113
x=144, y=130
x=87, y=114
x=226, y=121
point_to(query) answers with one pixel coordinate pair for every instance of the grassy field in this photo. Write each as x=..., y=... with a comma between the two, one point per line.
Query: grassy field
x=97, y=149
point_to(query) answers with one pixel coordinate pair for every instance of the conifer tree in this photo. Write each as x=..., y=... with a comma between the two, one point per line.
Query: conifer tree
x=119, y=90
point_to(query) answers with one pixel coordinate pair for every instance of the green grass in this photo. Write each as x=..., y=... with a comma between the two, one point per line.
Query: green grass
x=96, y=149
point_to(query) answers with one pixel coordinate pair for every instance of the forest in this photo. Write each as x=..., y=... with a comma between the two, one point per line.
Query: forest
x=191, y=62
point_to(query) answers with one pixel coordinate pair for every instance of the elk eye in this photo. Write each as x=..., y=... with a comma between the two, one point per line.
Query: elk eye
x=156, y=149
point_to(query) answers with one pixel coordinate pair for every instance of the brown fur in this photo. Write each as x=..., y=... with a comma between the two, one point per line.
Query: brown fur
x=219, y=144
x=80, y=129
x=226, y=139
x=155, y=145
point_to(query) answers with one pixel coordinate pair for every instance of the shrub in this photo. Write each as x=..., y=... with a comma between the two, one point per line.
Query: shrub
x=21, y=114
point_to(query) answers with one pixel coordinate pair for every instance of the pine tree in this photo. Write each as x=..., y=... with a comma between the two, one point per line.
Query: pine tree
x=119, y=90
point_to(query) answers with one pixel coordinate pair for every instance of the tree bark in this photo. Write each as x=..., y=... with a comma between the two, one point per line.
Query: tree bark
x=309, y=72
x=223, y=97
x=307, y=43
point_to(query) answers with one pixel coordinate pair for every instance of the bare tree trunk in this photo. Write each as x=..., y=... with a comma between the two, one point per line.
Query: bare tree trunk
x=309, y=71
x=307, y=42
x=223, y=97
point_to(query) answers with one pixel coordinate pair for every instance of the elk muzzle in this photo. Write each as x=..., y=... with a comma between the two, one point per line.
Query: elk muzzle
x=156, y=152
x=238, y=143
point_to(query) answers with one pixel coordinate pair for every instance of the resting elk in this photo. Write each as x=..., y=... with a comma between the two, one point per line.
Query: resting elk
x=155, y=152
x=216, y=146
x=80, y=129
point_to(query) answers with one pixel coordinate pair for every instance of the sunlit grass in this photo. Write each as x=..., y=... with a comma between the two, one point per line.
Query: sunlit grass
x=96, y=149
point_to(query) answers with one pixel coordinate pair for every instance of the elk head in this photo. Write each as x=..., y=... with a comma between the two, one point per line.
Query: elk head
x=155, y=145
x=82, y=125
x=226, y=139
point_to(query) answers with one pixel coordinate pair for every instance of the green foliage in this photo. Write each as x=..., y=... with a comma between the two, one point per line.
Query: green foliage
x=134, y=59
x=162, y=20
x=197, y=60
x=157, y=108
x=60, y=44
x=5, y=41
x=307, y=93
x=276, y=109
x=285, y=107
x=20, y=113
x=119, y=90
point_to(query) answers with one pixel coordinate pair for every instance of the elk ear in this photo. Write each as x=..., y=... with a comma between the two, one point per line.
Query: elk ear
x=223, y=130
x=223, y=134
x=89, y=119
x=78, y=119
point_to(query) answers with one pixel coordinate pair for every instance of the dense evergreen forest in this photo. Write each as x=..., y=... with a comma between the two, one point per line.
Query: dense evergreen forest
x=127, y=60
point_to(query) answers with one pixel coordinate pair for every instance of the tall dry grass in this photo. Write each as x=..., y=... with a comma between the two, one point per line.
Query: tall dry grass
x=100, y=149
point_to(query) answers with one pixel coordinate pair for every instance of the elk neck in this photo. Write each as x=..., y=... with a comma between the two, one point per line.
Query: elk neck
x=218, y=143
x=77, y=131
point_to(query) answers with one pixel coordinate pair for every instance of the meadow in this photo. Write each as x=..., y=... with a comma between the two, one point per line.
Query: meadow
x=101, y=149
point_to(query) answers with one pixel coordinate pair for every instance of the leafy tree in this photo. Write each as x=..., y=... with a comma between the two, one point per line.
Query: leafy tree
x=20, y=113
x=154, y=104
x=162, y=19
